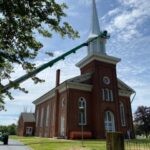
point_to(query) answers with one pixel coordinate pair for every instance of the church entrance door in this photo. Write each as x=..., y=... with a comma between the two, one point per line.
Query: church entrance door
x=109, y=121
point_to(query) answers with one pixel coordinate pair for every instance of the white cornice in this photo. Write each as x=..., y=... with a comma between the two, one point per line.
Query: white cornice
x=80, y=86
x=125, y=93
x=74, y=85
x=45, y=97
x=102, y=58
x=61, y=88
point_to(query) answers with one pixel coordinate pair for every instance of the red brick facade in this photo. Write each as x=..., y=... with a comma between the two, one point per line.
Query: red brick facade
x=63, y=104
x=25, y=126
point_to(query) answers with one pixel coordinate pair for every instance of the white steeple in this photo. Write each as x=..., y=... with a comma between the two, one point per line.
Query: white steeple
x=97, y=46
x=95, y=29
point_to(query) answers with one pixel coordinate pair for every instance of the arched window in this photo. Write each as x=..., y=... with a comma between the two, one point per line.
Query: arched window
x=62, y=102
x=109, y=121
x=122, y=114
x=82, y=111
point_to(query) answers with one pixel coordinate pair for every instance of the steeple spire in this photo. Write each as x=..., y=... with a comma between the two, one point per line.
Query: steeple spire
x=95, y=29
x=97, y=46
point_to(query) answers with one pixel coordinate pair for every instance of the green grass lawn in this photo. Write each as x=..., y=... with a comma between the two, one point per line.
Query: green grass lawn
x=137, y=144
x=37, y=143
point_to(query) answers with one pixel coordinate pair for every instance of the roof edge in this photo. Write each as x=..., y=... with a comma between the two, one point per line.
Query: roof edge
x=102, y=58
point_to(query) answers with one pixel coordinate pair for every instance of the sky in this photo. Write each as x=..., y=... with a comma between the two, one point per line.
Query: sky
x=128, y=23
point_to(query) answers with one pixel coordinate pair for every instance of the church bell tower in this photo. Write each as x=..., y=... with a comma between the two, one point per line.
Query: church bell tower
x=104, y=96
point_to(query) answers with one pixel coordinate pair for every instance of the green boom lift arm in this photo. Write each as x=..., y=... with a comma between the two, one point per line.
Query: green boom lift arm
x=50, y=63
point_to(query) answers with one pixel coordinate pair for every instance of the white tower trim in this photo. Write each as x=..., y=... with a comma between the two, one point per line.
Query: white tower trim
x=97, y=46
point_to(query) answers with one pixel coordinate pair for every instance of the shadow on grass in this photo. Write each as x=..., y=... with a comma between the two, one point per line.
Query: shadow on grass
x=85, y=142
x=47, y=142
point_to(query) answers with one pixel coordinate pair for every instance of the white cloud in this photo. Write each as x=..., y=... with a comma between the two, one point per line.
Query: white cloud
x=71, y=11
x=7, y=120
x=128, y=17
x=122, y=20
x=114, y=11
x=141, y=97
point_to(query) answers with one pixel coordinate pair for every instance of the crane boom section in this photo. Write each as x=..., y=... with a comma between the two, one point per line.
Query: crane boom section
x=46, y=65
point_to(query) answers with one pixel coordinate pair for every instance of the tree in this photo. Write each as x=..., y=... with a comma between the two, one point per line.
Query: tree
x=11, y=129
x=142, y=120
x=20, y=22
x=3, y=129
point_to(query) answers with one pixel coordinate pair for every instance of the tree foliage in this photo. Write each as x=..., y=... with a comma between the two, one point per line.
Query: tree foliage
x=142, y=120
x=21, y=21
x=11, y=129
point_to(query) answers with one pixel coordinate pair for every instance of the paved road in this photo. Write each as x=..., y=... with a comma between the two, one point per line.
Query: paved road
x=13, y=145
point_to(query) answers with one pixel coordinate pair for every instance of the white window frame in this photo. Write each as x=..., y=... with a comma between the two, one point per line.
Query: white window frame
x=42, y=117
x=62, y=126
x=107, y=95
x=37, y=117
x=62, y=102
x=109, y=124
x=122, y=114
x=82, y=103
x=111, y=95
x=47, y=116
x=53, y=113
x=29, y=130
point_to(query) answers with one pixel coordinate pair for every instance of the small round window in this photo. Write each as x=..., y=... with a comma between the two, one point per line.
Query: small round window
x=106, y=80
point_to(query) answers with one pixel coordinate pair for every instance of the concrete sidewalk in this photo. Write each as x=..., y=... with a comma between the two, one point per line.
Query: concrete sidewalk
x=13, y=145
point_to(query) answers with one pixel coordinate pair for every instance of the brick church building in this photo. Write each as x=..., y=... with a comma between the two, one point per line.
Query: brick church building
x=96, y=100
